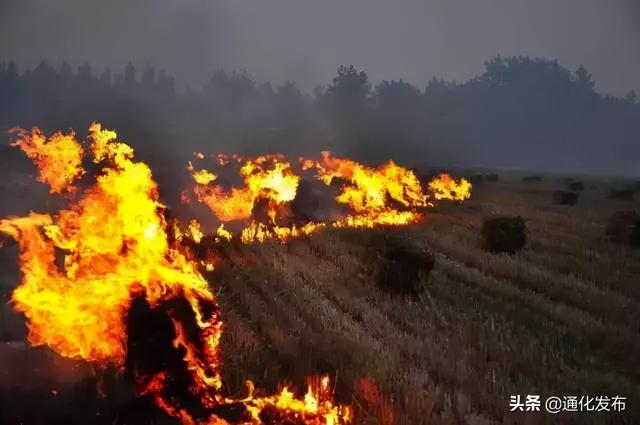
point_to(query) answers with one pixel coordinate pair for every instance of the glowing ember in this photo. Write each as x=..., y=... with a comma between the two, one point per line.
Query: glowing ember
x=114, y=241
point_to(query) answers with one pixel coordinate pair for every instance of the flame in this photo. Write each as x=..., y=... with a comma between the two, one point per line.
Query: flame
x=372, y=192
x=58, y=158
x=114, y=247
x=445, y=187
x=260, y=232
x=269, y=183
x=223, y=234
x=195, y=232
x=387, y=195
x=114, y=241
x=265, y=177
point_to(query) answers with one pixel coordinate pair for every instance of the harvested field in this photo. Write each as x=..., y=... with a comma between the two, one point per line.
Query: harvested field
x=557, y=318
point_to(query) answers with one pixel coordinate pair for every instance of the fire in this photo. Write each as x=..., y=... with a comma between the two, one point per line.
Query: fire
x=58, y=158
x=374, y=194
x=114, y=242
x=260, y=232
x=269, y=184
x=114, y=247
x=223, y=234
x=387, y=195
x=265, y=177
x=195, y=232
x=445, y=187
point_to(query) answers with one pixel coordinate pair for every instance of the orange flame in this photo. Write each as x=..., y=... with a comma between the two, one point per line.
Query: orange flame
x=260, y=232
x=269, y=177
x=114, y=247
x=445, y=187
x=59, y=158
x=114, y=242
x=388, y=195
x=372, y=192
x=223, y=234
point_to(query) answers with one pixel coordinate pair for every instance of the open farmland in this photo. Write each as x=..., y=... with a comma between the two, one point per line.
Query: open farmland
x=559, y=318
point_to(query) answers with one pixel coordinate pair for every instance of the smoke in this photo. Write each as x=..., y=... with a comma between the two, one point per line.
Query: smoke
x=306, y=40
x=185, y=36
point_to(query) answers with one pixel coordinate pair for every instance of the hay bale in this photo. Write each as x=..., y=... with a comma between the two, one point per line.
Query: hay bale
x=562, y=197
x=576, y=186
x=504, y=234
x=475, y=178
x=398, y=266
x=624, y=227
x=621, y=194
x=306, y=203
x=492, y=178
x=532, y=179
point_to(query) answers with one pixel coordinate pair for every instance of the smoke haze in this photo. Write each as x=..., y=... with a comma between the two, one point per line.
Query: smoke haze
x=305, y=40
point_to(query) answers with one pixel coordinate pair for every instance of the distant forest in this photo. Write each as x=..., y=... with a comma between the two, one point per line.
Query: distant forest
x=521, y=112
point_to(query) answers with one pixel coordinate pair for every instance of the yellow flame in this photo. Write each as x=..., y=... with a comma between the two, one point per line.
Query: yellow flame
x=446, y=187
x=58, y=158
x=115, y=247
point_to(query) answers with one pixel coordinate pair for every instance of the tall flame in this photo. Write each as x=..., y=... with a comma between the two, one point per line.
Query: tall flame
x=445, y=187
x=372, y=192
x=387, y=195
x=114, y=246
x=268, y=182
x=58, y=158
x=268, y=177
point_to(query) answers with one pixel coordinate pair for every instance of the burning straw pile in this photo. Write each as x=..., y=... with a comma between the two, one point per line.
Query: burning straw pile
x=132, y=295
x=273, y=201
x=126, y=299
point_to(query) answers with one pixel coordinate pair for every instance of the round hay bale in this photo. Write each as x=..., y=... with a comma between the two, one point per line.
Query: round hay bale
x=306, y=203
x=532, y=179
x=562, y=197
x=623, y=227
x=475, y=178
x=576, y=186
x=503, y=234
x=399, y=266
x=620, y=194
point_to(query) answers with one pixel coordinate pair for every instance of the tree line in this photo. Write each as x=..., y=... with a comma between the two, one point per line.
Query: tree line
x=521, y=111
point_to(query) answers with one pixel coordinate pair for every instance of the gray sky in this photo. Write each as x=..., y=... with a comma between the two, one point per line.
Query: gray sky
x=305, y=40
